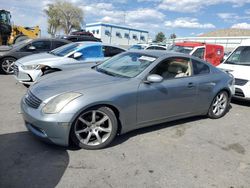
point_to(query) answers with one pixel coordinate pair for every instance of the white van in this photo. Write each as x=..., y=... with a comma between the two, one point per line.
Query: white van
x=238, y=64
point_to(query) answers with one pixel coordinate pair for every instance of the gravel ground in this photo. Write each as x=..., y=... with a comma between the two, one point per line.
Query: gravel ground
x=194, y=152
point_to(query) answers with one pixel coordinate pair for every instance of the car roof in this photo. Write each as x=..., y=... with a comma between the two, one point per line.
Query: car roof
x=93, y=43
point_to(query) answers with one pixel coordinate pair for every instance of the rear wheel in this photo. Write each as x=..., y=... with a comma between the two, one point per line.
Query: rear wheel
x=219, y=106
x=95, y=128
x=7, y=65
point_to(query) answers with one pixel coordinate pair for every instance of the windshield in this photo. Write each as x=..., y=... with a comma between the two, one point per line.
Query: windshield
x=65, y=49
x=5, y=17
x=241, y=56
x=181, y=49
x=126, y=65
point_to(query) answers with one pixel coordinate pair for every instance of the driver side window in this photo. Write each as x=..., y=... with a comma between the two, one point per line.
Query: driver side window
x=91, y=52
x=175, y=67
x=199, y=53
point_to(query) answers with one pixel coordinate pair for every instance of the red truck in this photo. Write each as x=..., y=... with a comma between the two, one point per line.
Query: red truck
x=211, y=53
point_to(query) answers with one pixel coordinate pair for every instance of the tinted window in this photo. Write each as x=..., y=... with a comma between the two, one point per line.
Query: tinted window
x=151, y=48
x=200, y=68
x=159, y=48
x=91, y=52
x=240, y=56
x=110, y=51
x=175, y=67
x=58, y=44
x=42, y=45
x=181, y=49
x=199, y=53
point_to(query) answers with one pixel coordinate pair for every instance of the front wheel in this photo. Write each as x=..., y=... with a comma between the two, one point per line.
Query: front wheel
x=219, y=106
x=7, y=65
x=95, y=128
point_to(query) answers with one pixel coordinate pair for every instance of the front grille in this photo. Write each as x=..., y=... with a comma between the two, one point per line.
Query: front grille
x=239, y=92
x=240, y=82
x=16, y=70
x=32, y=101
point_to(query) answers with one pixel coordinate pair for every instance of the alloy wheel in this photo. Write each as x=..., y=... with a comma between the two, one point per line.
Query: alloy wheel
x=8, y=66
x=220, y=104
x=93, y=128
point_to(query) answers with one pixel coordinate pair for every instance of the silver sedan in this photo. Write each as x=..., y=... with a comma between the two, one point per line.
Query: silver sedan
x=132, y=90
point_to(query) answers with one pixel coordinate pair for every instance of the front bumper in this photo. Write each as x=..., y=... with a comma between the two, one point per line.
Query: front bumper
x=53, y=128
x=26, y=76
x=243, y=91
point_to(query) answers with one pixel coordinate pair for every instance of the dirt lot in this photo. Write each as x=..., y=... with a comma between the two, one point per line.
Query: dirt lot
x=195, y=152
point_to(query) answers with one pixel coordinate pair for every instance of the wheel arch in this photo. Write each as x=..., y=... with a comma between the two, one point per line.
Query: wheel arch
x=217, y=92
x=111, y=106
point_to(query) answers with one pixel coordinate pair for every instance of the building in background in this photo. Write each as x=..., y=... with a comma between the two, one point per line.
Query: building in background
x=116, y=34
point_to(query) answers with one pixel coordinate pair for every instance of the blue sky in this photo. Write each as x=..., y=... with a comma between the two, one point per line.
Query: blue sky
x=183, y=17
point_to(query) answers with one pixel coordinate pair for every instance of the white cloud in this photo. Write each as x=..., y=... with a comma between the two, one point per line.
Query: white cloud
x=142, y=18
x=188, y=23
x=196, y=5
x=232, y=17
x=243, y=25
x=227, y=16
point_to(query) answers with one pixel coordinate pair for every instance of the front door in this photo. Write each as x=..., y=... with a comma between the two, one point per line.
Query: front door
x=174, y=96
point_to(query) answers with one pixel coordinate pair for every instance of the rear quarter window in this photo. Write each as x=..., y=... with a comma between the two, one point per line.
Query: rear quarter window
x=200, y=68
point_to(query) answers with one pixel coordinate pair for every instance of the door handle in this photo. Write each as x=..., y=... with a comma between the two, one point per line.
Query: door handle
x=190, y=85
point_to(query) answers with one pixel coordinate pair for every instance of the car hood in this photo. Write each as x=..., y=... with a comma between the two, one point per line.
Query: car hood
x=5, y=48
x=238, y=71
x=40, y=58
x=74, y=80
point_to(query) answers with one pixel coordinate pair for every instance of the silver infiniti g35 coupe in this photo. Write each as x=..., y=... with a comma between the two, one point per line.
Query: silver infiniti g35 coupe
x=132, y=90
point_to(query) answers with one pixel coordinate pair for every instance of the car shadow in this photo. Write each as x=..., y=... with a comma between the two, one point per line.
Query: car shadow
x=123, y=138
x=241, y=102
x=27, y=162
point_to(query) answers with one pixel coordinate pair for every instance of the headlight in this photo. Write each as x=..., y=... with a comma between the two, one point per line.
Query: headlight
x=57, y=103
x=32, y=67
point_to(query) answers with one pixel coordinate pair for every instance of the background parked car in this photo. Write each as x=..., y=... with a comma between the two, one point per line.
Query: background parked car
x=211, y=53
x=79, y=38
x=238, y=64
x=9, y=54
x=156, y=47
x=139, y=46
x=71, y=56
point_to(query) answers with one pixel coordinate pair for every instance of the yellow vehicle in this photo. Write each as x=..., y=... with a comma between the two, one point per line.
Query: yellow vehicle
x=14, y=34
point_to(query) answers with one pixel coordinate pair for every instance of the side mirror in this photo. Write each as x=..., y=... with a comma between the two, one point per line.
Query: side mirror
x=31, y=48
x=154, y=78
x=77, y=55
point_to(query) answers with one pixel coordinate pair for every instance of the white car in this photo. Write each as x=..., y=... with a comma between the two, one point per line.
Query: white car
x=238, y=64
x=71, y=56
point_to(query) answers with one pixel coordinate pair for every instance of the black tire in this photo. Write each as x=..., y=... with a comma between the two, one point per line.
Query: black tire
x=221, y=111
x=112, y=134
x=5, y=65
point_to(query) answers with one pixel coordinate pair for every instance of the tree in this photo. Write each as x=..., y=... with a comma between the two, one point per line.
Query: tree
x=53, y=19
x=65, y=16
x=160, y=37
x=173, y=36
